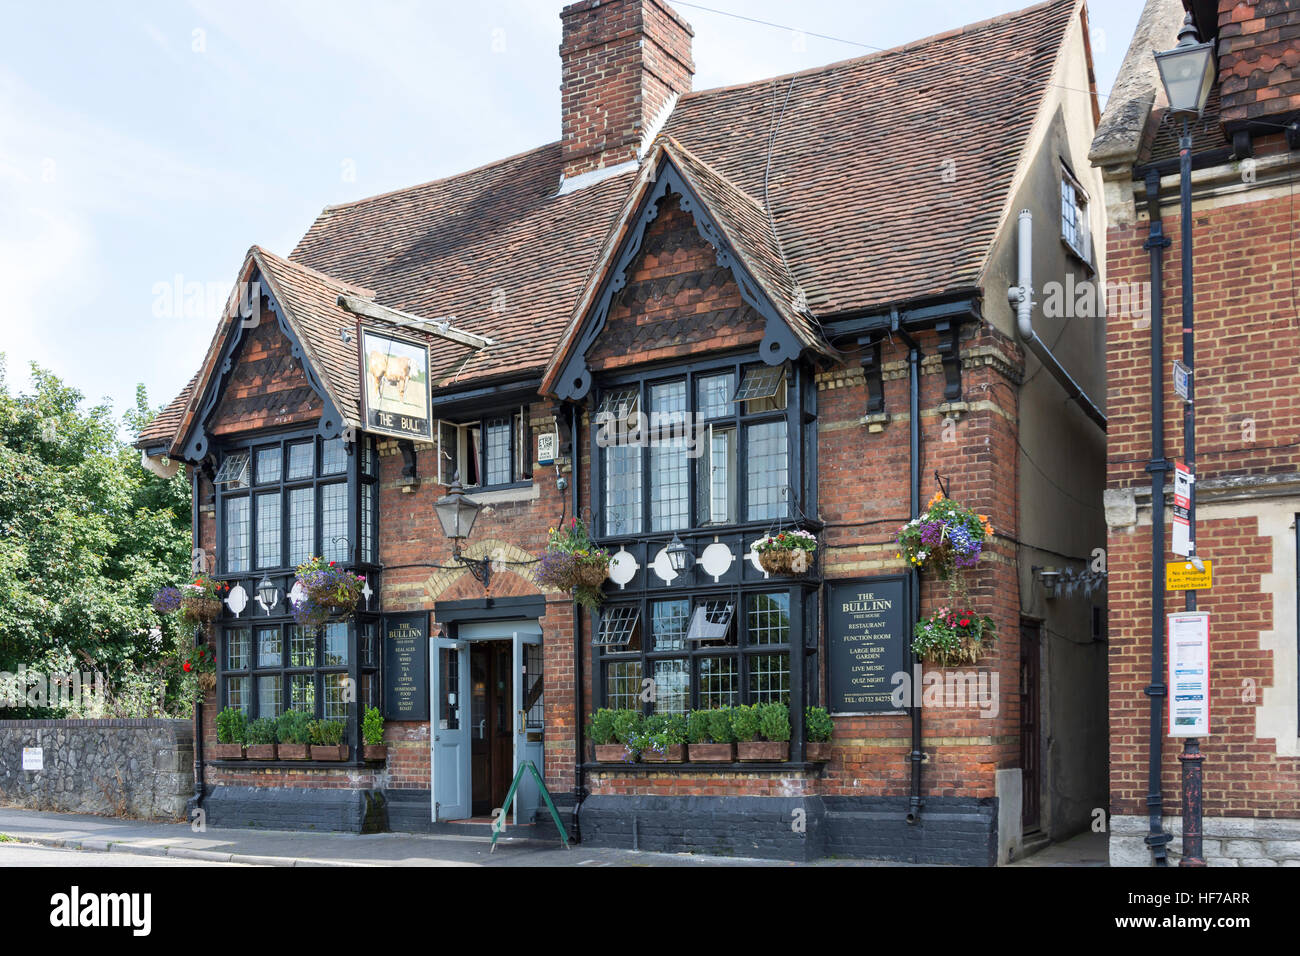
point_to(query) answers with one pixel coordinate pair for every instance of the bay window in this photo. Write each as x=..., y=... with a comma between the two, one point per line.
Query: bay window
x=711, y=448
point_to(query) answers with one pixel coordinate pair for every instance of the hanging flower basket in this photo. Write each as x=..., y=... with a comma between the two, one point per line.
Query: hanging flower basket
x=946, y=537
x=572, y=563
x=953, y=636
x=198, y=603
x=787, y=552
x=202, y=663
x=328, y=590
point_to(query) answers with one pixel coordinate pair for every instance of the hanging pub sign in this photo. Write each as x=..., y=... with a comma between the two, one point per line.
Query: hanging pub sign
x=395, y=386
x=406, y=667
x=867, y=643
x=1189, y=674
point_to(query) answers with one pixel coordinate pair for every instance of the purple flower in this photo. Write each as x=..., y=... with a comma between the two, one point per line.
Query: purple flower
x=166, y=600
x=931, y=532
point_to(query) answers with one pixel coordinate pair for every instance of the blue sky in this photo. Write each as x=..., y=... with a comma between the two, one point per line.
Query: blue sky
x=145, y=146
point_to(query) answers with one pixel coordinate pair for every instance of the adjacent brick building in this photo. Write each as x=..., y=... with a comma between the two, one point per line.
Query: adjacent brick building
x=843, y=241
x=1244, y=160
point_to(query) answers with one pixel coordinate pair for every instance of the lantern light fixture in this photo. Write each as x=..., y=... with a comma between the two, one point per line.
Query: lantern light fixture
x=1188, y=71
x=679, y=556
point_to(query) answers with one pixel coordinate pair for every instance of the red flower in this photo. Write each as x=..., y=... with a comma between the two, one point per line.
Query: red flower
x=331, y=564
x=965, y=621
x=187, y=667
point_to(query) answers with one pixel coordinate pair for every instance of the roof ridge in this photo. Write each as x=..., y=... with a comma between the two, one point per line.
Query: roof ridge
x=881, y=54
x=302, y=267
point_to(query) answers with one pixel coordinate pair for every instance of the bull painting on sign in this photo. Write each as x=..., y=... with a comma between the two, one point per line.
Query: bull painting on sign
x=395, y=385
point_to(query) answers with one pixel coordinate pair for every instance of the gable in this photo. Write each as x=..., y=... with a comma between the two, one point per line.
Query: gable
x=678, y=300
x=267, y=386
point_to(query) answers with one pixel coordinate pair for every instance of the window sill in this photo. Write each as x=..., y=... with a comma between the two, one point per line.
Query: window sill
x=504, y=494
x=735, y=767
x=350, y=765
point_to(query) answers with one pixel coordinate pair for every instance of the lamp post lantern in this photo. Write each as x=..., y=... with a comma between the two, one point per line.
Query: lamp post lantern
x=1187, y=73
x=456, y=513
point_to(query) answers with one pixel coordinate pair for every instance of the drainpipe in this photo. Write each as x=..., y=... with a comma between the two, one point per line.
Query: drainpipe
x=579, y=778
x=1157, y=242
x=917, y=756
x=1022, y=297
x=197, y=800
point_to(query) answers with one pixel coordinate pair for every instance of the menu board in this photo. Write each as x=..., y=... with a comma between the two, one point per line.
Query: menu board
x=406, y=667
x=868, y=641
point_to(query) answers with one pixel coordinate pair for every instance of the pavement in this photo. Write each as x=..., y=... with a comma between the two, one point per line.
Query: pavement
x=180, y=842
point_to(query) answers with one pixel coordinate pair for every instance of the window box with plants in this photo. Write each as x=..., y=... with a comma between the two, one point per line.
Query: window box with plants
x=819, y=728
x=372, y=732
x=327, y=740
x=261, y=739
x=327, y=591
x=710, y=737
x=787, y=552
x=662, y=739
x=293, y=735
x=572, y=563
x=232, y=730
x=762, y=732
x=613, y=735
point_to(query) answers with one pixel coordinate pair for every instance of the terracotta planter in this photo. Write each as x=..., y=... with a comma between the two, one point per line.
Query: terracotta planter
x=817, y=751
x=767, y=751
x=329, y=751
x=376, y=753
x=713, y=753
x=293, y=751
x=611, y=753
x=674, y=754
x=227, y=751
x=260, y=751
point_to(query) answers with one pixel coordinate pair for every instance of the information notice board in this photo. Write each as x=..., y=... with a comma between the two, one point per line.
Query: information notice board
x=868, y=641
x=406, y=667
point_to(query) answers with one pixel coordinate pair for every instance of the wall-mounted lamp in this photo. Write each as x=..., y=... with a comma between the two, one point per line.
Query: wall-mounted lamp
x=457, y=512
x=680, y=557
x=268, y=595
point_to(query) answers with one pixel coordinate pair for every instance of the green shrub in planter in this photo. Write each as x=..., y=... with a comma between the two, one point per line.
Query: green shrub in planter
x=627, y=724
x=818, y=724
x=774, y=721
x=372, y=727
x=745, y=722
x=261, y=732
x=600, y=727
x=697, y=727
x=326, y=733
x=232, y=726
x=293, y=727
x=721, y=730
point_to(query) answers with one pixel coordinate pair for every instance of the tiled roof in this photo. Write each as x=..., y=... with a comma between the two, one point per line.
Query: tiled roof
x=887, y=177
x=163, y=426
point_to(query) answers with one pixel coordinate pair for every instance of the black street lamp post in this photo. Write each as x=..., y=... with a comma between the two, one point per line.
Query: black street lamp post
x=1187, y=72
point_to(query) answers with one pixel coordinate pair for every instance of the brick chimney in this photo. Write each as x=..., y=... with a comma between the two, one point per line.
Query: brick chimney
x=1259, y=61
x=625, y=62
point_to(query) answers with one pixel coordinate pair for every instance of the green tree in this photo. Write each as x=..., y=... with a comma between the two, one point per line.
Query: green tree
x=86, y=537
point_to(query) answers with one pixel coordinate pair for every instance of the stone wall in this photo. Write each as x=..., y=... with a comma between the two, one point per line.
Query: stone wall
x=124, y=768
x=1227, y=841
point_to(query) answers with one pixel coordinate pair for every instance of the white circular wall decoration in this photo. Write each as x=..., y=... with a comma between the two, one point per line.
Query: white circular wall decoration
x=753, y=557
x=663, y=567
x=297, y=593
x=716, y=559
x=237, y=599
x=622, y=567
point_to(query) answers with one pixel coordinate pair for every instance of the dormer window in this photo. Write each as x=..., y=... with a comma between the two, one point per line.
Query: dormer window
x=1075, y=232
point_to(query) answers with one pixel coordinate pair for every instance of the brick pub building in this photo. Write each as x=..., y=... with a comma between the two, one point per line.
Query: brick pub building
x=1244, y=164
x=814, y=267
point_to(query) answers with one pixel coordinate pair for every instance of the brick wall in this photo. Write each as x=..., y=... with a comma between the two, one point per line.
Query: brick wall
x=1247, y=428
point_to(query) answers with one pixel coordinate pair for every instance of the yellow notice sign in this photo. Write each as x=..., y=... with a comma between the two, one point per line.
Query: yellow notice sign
x=1181, y=576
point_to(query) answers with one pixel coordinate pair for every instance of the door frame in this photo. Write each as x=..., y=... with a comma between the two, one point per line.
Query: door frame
x=476, y=626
